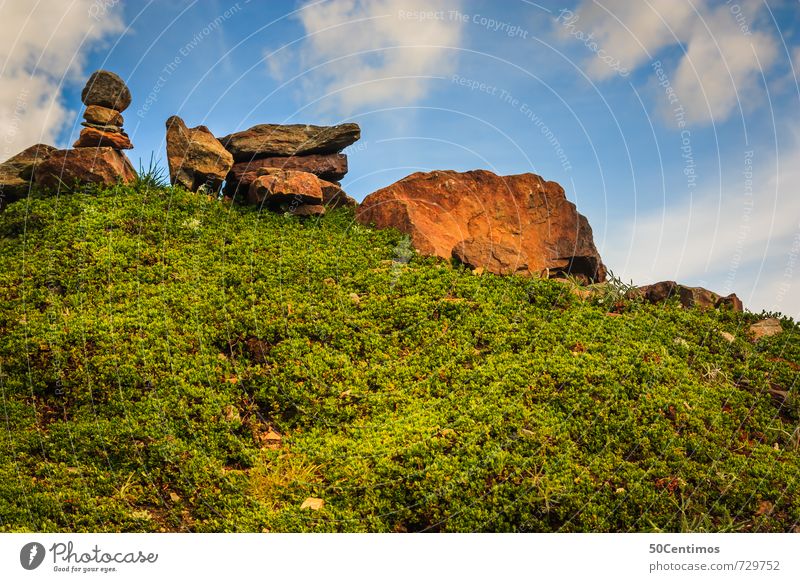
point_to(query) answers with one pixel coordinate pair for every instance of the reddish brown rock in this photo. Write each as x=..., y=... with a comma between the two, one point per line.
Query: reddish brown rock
x=268, y=140
x=333, y=196
x=491, y=256
x=688, y=296
x=285, y=186
x=91, y=137
x=195, y=157
x=102, y=165
x=331, y=167
x=309, y=210
x=99, y=115
x=520, y=223
x=17, y=172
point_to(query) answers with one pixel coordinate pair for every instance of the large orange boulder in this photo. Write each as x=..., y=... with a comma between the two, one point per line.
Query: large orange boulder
x=504, y=224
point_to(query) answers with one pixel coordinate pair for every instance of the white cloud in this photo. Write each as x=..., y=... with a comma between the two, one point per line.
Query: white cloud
x=724, y=51
x=43, y=45
x=730, y=240
x=371, y=52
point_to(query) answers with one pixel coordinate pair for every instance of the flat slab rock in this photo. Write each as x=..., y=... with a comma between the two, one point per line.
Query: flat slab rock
x=102, y=165
x=331, y=167
x=267, y=140
x=519, y=224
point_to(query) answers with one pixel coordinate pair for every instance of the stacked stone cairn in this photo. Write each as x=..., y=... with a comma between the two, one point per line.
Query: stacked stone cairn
x=290, y=168
x=97, y=156
x=106, y=96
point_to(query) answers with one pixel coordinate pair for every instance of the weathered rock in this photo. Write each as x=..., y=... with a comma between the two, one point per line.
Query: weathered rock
x=105, y=128
x=493, y=257
x=99, y=115
x=268, y=140
x=766, y=328
x=195, y=157
x=333, y=196
x=331, y=167
x=91, y=137
x=106, y=89
x=17, y=172
x=309, y=210
x=521, y=214
x=688, y=296
x=286, y=186
x=102, y=165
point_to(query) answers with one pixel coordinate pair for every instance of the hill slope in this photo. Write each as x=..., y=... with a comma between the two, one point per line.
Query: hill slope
x=172, y=363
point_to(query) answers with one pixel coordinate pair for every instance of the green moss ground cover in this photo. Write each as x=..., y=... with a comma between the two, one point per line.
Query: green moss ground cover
x=172, y=363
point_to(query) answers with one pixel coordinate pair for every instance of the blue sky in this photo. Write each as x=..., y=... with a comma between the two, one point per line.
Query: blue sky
x=672, y=124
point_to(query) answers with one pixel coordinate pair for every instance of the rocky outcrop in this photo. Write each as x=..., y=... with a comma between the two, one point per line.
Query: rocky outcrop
x=101, y=165
x=503, y=224
x=305, y=148
x=105, y=96
x=17, y=172
x=688, y=296
x=195, y=157
x=269, y=140
x=106, y=89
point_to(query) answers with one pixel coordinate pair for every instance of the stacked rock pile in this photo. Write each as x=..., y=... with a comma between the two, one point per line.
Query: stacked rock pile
x=290, y=168
x=96, y=158
x=106, y=96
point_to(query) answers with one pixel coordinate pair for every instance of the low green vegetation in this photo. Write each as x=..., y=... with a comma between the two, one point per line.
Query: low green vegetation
x=169, y=362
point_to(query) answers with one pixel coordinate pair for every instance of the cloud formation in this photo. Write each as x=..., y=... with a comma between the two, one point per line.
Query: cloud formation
x=722, y=50
x=43, y=45
x=370, y=53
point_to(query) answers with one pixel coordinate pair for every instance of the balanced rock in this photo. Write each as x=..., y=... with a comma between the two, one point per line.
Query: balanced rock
x=275, y=187
x=106, y=89
x=520, y=223
x=98, y=115
x=269, y=140
x=17, y=172
x=195, y=157
x=102, y=165
x=688, y=296
x=92, y=137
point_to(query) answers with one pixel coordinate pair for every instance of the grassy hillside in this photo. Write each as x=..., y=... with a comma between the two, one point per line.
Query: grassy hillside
x=173, y=363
